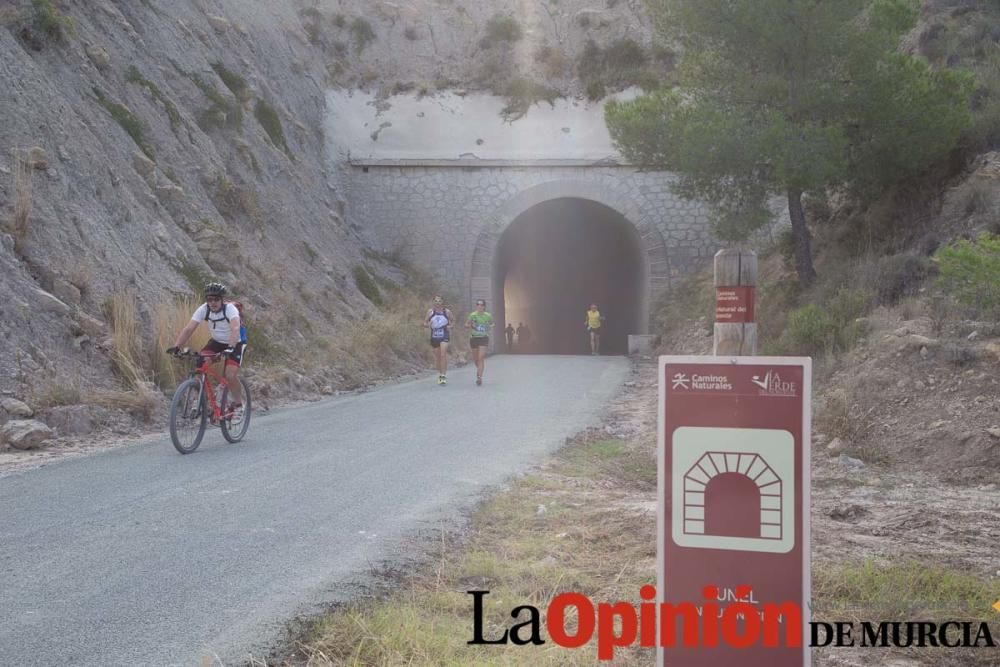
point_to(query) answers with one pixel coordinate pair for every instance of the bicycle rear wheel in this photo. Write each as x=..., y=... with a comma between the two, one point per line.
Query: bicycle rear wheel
x=188, y=416
x=233, y=430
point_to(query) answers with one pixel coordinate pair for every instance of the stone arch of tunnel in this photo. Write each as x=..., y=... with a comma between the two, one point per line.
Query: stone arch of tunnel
x=554, y=251
x=733, y=494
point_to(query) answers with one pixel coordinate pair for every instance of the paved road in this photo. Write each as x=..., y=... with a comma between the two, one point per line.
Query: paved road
x=141, y=556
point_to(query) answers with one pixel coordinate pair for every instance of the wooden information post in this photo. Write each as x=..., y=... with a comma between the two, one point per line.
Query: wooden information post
x=735, y=282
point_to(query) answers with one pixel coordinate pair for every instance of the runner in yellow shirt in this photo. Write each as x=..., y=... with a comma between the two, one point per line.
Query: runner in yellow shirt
x=594, y=319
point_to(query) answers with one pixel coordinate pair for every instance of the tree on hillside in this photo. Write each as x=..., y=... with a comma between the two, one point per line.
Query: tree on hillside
x=790, y=97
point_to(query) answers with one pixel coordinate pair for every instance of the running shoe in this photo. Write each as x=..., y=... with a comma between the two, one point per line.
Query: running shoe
x=235, y=413
x=479, y=382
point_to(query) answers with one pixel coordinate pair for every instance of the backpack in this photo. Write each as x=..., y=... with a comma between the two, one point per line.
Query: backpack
x=239, y=309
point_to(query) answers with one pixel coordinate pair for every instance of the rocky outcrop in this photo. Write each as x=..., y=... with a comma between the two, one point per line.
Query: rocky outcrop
x=117, y=175
x=25, y=434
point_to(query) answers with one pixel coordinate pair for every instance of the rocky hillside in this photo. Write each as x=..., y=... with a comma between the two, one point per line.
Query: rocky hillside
x=150, y=145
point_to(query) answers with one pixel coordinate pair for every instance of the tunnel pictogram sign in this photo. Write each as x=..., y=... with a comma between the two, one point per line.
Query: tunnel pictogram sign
x=733, y=492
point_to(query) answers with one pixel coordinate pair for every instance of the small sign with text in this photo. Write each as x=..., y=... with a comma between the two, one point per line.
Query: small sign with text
x=734, y=304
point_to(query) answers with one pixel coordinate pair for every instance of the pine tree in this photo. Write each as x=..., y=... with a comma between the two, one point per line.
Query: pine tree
x=789, y=97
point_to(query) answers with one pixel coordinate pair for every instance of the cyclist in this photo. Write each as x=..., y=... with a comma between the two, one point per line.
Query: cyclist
x=439, y=320
x=594, y=319
x=223, y=319
x=479, y=322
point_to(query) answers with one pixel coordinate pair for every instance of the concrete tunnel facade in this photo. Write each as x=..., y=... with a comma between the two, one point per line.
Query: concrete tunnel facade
x=551, y=221
x=540, y=243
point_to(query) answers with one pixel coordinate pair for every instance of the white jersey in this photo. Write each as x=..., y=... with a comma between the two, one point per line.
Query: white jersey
x=218, y=325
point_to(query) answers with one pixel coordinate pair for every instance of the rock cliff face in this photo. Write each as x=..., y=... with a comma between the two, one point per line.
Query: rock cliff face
x=147, y=146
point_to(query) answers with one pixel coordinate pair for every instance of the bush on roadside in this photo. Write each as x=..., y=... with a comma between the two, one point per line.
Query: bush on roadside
x=809, y=330
x=815, y=330
x=970, y=271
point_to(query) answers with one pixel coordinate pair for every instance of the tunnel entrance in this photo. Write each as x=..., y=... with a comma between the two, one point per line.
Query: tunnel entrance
x=557, y=258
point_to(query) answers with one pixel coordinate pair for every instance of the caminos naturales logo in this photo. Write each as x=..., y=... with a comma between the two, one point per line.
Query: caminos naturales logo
x=738, y=623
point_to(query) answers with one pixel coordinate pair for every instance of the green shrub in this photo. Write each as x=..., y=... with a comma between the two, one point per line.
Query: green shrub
x=366, y=285
x=809, y=330
x=135, y=76
x=970, y=270
x=625, y=54
x=815, y=330
x=234, y=82
x=269, y=120
x=591, y=64
x=363, y=33
x=261, y=347
x=900, y=276
x=501, y=28
x=195, y=276
x=624, y=63
x=222, y=113
x=522, y=93
x=128, y=121
x=51, y=21
x=846, y=308
x=596, y=90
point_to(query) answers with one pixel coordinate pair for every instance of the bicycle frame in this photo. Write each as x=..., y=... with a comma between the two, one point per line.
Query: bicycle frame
x=204, y=369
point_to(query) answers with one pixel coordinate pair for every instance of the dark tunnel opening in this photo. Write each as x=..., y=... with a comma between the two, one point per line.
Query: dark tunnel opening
x=556, y=259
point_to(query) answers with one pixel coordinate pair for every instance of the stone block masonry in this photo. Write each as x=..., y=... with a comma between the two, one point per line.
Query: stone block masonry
x=447, y=216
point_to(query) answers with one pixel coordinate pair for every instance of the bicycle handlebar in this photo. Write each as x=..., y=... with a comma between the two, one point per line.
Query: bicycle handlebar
x=188, y=353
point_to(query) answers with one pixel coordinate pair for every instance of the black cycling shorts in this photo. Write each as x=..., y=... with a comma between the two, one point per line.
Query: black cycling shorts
x=479, y=341
x=214, y=347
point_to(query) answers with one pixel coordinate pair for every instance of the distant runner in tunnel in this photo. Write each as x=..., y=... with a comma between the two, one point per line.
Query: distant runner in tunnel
x=556, y=258
x=594, y=319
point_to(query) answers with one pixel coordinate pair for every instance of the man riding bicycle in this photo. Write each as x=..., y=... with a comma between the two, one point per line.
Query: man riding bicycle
x=224, y=324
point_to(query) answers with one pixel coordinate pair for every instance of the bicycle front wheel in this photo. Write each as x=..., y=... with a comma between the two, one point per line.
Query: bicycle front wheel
x=188, y=416
x=234, y=429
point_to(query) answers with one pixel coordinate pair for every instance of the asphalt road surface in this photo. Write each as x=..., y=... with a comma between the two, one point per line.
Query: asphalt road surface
x=141, y=556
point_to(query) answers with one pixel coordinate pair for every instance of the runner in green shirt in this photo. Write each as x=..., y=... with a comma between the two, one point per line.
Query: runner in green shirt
x=479, y=324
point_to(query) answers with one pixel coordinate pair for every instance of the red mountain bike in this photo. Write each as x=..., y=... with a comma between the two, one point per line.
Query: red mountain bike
x=195, y=404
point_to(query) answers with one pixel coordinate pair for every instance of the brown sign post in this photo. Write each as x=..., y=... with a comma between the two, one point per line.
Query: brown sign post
x=735, y=281
x=733, y=498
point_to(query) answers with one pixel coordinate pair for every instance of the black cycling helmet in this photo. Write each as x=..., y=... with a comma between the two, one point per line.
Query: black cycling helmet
x=215, y=289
